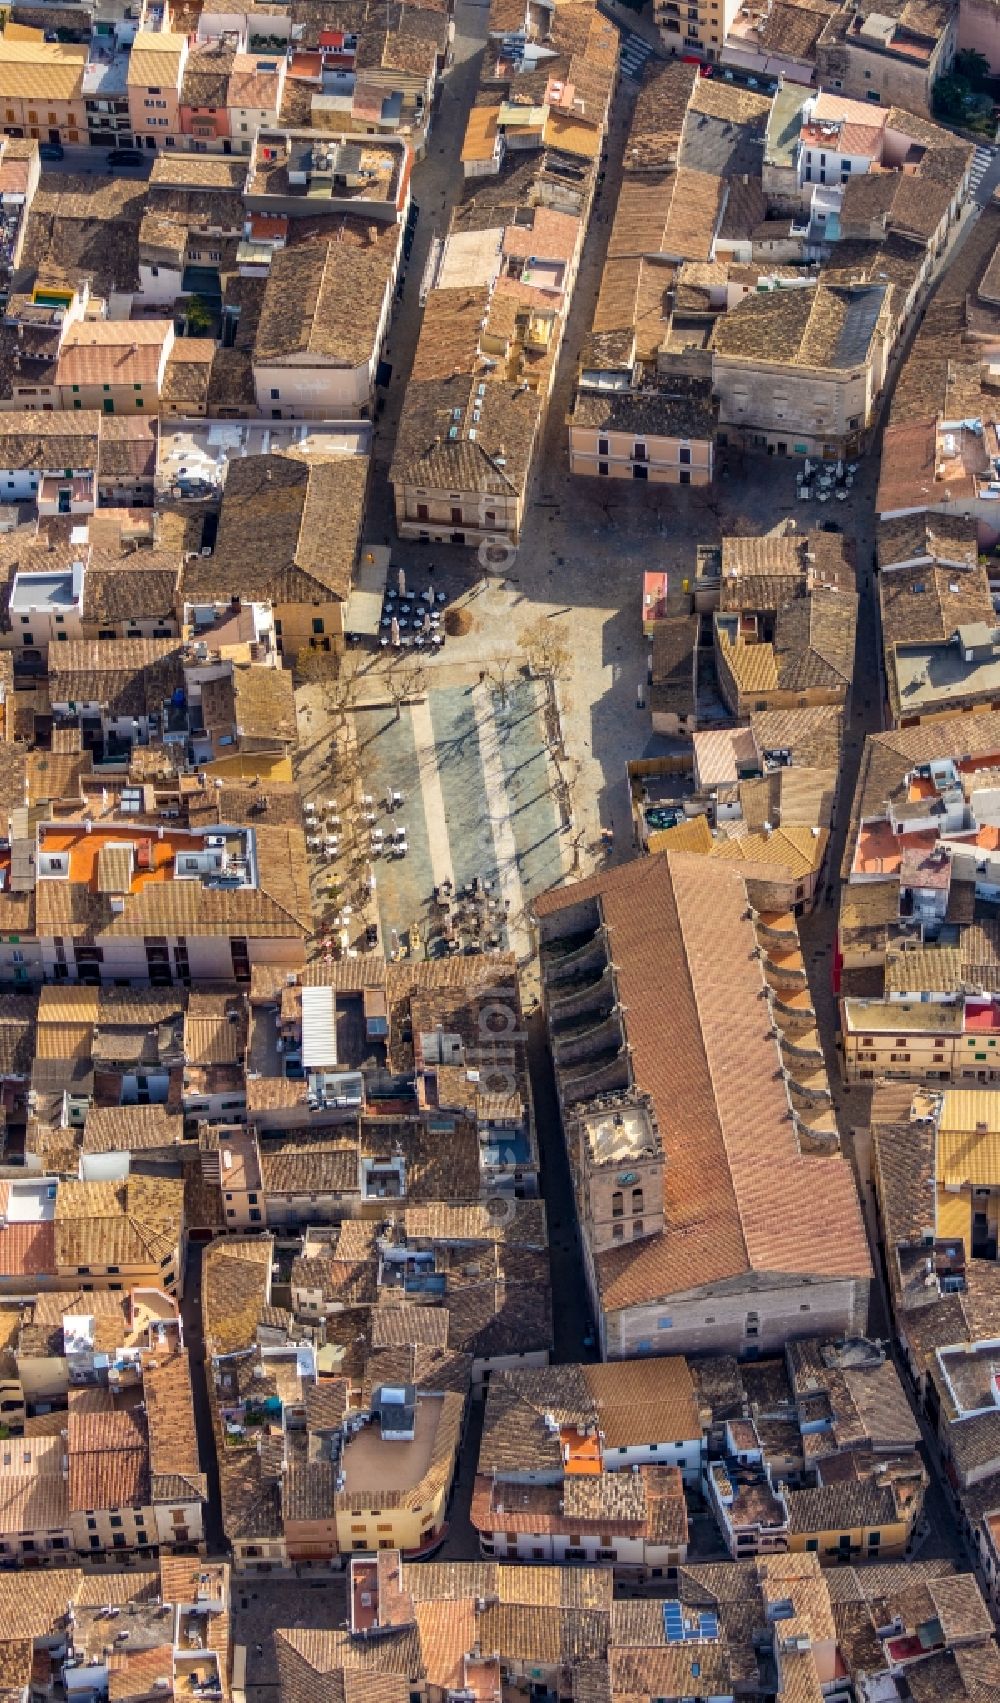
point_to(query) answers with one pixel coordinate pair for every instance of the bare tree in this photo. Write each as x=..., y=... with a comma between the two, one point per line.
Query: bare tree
x=337, y=684
x=346, y=763
x=314, y=667
x=498, y=673
x=741, y=526
x=403, y=677
x=545, y=643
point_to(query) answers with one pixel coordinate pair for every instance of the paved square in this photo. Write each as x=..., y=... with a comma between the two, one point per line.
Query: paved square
x=472, y=764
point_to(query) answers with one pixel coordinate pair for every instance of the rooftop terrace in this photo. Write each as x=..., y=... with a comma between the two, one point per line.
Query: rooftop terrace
x=370, y=1462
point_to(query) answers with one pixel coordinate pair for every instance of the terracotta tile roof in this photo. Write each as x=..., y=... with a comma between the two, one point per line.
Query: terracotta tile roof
x=264, y=704
x=15, y=1660
x=927, y=536
x=393, y=1326
x=313, y=1166
x=188, y=371
x=671, y=922
x=447, y=1634
x=27, y=1250
x=828, y=327
x=85, y=228
x=197, y=171
x=925, y=604
x=907, y=476
x=634, y=1398
x=674, y=214
x=36, y=1500
x=325, y=299
x=133, y=1129
x=841, y=1506
x=135, y=588
x=136, y=1223
x=428, y=1369
x=674, y=644
x=685, y=411
x=124, y=676
x=326, y=1404
x=173, y=1441
x=236, y=1284
x=444, y=378
x=658, y=118
x=17, y=1034
x=138, y=1674
x=671, y=1671
x=941, y=342
x=127, y=447
x=332, y=1667
x=252, y=85
x=960, y=1608
x=206, y=76
x=108, y=1460
x=445, y=1221
x=514, y=1427
x=307, y=1490
x=155, y=59
x=42, y=70
x=280, y=906
x=814, y=634
x=251, y=1506
x=215, y=1027
x=311, y=513
x=540, y=1633
x=32, y=1603
x=53, y=441
x=112, y=351
x=508, y=1315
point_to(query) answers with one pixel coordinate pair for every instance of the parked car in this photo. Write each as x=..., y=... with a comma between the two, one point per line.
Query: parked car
x=125, y=157
x=51, y=151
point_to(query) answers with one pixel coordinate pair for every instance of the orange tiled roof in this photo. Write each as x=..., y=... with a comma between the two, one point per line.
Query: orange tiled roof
x=738, y=1194
x=27, y=1249
x=112, y=351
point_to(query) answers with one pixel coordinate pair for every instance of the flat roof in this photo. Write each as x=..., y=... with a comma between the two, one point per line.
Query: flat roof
x=901, y=1016
x=929, y=675
x=30, y=1202
x=105, y=73
x=622, y=1132
x=33, y=591
x=193, y=451
x=370, y=1462
x=364, y=606
x=471, y=259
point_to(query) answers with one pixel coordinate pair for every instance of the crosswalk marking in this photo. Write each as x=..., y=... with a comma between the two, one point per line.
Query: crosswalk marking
x=633, y=55
x=633, y=51
x=982, y=160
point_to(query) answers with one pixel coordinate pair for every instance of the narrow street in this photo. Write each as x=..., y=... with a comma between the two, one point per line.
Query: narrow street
x=462, y=1541
x=575, y=1337
x=195, y=1344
